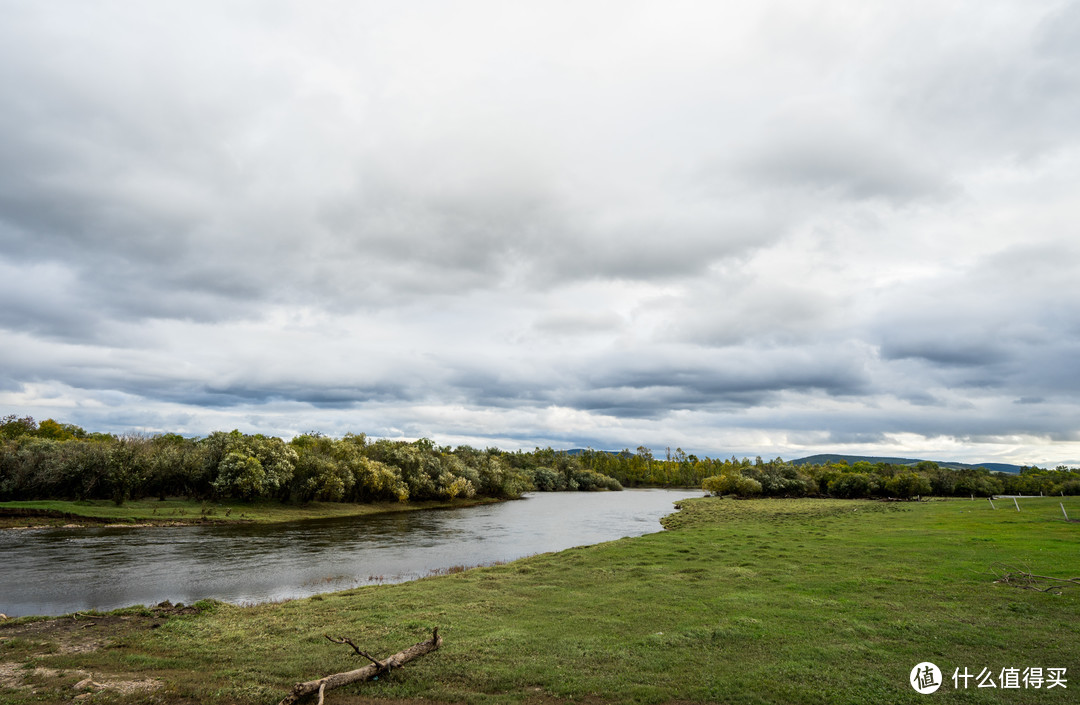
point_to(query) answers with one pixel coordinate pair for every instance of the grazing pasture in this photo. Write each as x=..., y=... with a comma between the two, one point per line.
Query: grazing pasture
x=755, y=601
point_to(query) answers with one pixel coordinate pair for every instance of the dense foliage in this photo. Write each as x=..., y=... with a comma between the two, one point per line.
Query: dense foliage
x=776, y=478
x=883, y=480
x=50, y=460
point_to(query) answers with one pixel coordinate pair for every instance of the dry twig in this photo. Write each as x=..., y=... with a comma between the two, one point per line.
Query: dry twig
x=369, y=657
x=1026, y=580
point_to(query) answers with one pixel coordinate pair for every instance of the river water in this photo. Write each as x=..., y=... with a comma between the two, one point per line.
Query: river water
x=57, y=571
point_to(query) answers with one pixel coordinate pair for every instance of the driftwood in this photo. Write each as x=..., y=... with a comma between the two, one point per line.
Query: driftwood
x=1011, y=575
x=373, y=669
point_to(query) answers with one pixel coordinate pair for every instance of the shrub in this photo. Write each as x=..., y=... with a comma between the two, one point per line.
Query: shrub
x=589, y=480
x=907, y=485
x=547, y=480
x=850, y=485
x=731, y=483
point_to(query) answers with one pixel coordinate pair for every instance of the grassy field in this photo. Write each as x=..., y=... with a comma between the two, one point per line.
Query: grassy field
x=189, y=511
x=747, y=602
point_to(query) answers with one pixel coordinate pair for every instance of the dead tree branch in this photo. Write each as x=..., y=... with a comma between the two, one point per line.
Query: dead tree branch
x=375, y=668
x=1026, y=580
x=369, y=657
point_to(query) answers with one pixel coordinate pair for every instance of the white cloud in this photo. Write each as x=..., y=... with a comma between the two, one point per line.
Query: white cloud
x=781, y=229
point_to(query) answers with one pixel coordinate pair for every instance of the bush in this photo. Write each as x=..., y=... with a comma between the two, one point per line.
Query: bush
x=731, y=483
x=547, y=480
x=850, y=485
x=1072, y=487
x=781, y=480
x=906, y=485
x=589, y=480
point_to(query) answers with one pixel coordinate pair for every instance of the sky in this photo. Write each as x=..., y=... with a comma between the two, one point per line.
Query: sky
x=772, y=228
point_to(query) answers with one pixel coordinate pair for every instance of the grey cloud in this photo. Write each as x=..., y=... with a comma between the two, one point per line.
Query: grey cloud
x=488, y=390
x=846, y=437
x=577, y=323
x=984, y=425
x=921, y=398
x=318, y=396
x=949, y=352
x=649, y=386
x=46, y=301
x=207, y=394
x=703, y=383
x=160, y=185
x=738, y=309
x=988, y=327
x=831, y=157
x=244, y=214
x=1006, y=89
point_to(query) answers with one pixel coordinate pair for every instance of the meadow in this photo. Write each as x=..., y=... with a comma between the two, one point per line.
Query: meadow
x=738, y=601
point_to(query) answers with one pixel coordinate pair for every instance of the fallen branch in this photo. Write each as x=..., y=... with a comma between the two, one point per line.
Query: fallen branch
x=343, y=640
x=1025, y=580
x=375, y=668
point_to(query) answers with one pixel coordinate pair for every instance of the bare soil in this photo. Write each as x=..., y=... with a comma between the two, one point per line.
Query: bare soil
x=23, y=642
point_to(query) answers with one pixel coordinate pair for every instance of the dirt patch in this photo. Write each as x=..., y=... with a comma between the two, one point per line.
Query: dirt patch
x=71, y=635
x=24, y=643
x=118, y=685
x=82, y=633
x=17, y=676
x=11, y=675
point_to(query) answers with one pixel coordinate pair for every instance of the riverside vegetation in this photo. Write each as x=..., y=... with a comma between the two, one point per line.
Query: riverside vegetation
x=738, y=601
x=55, y=461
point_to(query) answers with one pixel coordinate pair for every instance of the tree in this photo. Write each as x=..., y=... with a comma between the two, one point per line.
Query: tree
x=127, y=467
x=12, y=426
x=907, y=484
x=240, y=475
x=850, y=485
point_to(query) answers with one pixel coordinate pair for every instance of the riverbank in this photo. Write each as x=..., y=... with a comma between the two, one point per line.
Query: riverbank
x=179, y=512
x=763, y=601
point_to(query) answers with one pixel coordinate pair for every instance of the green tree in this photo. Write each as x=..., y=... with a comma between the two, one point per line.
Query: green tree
x=127, y=468
x=906, y=485
x=240, y=475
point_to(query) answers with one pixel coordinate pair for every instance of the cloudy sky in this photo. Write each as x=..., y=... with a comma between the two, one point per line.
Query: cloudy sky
x=773, y=228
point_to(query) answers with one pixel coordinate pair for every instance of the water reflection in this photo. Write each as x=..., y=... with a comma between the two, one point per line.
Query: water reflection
x=55, y=571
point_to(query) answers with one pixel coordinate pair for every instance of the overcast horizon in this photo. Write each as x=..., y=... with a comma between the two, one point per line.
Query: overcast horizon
x=778, y=230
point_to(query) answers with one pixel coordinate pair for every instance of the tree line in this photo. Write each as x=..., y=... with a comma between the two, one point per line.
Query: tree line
x=52, y=460
x=777, y=478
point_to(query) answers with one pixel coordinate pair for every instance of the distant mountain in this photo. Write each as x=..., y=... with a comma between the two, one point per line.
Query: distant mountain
x=823, y=458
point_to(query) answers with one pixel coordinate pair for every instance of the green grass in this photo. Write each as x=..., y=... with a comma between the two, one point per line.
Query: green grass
x=187, y=511
x=741, y=602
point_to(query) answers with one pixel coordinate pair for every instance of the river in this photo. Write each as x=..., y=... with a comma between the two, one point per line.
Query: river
x=57, y=571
